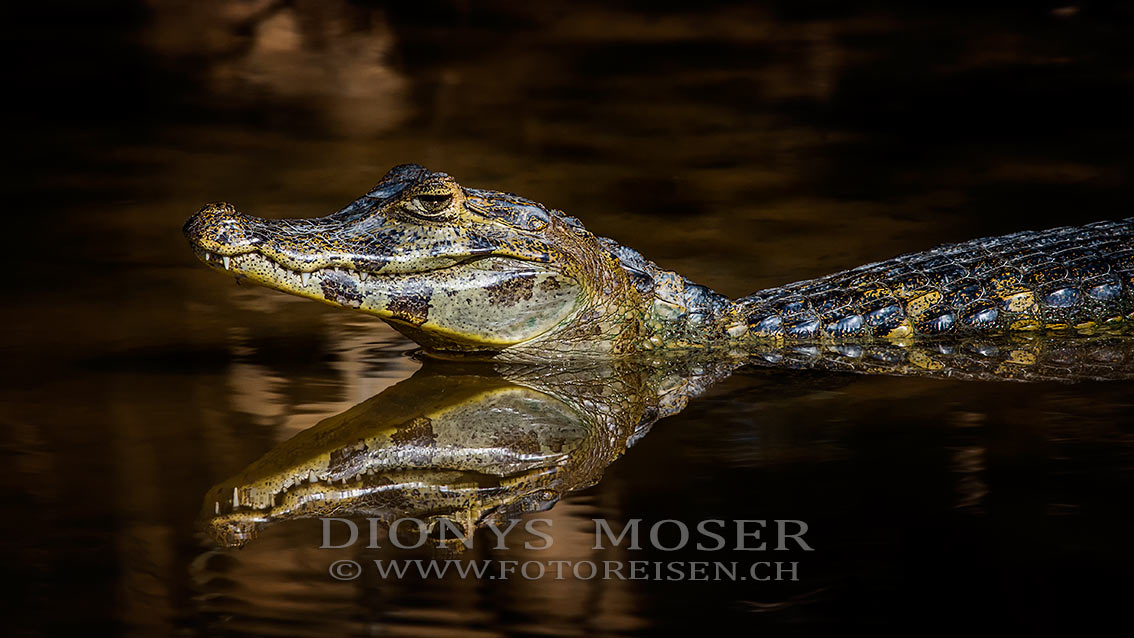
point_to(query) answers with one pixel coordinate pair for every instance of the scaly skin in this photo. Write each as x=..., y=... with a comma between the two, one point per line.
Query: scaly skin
x=462, y=270
x=469, y=443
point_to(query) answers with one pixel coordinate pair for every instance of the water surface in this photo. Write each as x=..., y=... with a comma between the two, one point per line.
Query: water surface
x=743, y=145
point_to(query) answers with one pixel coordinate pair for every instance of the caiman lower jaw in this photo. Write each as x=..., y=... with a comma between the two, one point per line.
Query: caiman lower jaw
x=338, y=286
x=481, y=304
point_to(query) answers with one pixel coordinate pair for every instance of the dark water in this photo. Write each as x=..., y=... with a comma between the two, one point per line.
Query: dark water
x=743, y=145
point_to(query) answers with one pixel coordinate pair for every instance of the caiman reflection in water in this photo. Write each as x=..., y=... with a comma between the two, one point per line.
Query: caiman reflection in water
x=470, y=442
x=478, y=442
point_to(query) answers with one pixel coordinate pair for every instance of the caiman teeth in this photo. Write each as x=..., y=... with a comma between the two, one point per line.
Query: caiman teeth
x=238, y=263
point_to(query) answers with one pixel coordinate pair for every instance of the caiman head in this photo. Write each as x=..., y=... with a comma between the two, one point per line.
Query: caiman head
x=460, y=269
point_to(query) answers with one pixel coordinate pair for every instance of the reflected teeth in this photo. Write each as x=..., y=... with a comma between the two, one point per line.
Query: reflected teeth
x=227, y=262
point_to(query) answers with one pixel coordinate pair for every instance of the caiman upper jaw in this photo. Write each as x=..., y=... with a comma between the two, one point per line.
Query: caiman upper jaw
x=220, y=232
x=227, y=239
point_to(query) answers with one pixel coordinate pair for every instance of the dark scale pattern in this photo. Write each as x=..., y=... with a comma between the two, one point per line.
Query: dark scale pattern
x=1071, y=278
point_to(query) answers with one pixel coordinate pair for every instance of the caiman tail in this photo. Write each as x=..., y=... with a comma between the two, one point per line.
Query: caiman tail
x=1059, y=280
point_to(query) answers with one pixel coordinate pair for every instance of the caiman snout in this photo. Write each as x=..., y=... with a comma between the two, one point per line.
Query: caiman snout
x=220, y=228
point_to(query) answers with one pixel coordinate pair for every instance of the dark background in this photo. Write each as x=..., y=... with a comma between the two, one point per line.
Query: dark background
x=744, y=145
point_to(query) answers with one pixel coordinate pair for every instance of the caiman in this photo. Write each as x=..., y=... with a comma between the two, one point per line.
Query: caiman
x=469, y=271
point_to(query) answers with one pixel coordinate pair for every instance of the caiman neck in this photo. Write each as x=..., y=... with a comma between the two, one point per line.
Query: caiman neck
x=682, y=314
x=633, y=307
x=676, y=313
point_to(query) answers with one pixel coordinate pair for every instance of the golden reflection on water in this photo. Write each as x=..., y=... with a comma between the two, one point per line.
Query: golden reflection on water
x=266, y=397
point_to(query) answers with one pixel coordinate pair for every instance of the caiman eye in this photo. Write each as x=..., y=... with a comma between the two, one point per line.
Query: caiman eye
x=432, y=204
